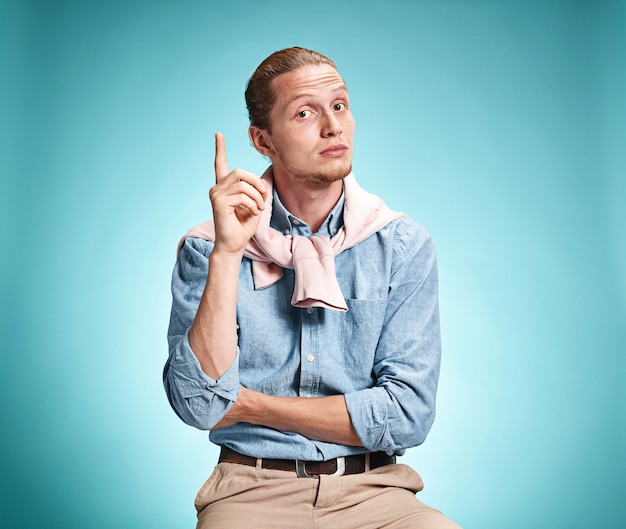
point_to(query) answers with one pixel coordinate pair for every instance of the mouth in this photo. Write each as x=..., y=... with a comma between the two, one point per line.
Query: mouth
x=335, y=151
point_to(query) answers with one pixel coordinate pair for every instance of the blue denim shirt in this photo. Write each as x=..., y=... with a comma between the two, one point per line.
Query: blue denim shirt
x=383, y=354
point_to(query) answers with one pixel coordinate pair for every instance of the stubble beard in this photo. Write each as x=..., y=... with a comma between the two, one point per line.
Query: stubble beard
x=321, y=177
x=327, y=177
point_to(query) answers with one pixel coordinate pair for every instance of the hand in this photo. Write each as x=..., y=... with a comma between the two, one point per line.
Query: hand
x=235, y=413
x=238, y=198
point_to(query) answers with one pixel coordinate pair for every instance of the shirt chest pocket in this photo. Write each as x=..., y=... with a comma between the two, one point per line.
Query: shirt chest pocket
x=358, y=330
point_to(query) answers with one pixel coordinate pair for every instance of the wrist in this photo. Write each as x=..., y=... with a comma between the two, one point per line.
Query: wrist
x=249, y=406
x=223, y=257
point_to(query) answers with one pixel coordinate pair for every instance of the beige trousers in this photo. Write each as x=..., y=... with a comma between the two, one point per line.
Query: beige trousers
x=242, y=497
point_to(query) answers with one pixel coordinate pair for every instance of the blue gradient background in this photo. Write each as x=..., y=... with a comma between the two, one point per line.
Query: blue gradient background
x=498, y=125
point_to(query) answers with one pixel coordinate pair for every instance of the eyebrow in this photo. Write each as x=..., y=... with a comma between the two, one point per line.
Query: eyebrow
x=342, y=88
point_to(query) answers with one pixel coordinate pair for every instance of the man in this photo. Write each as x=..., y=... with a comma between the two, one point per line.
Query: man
x=304, y=330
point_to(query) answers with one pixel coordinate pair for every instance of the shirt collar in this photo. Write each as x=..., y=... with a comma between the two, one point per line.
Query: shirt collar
x=288, y=224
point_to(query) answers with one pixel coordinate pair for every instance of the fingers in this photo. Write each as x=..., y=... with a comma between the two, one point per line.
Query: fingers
x=237, y=181
x=221, y=164
x=240, y=188
x=237, y=198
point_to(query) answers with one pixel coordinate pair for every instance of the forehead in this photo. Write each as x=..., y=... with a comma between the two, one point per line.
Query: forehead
x=307, y=81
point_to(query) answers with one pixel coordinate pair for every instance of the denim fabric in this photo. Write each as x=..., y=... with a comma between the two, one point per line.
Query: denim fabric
x=383, y=354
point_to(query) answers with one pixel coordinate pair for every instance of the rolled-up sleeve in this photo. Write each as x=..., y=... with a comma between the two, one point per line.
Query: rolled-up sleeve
x=399, y=410
x=196, y=398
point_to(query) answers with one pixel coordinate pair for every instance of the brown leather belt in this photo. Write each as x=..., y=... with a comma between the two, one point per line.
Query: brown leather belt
x=311, y=469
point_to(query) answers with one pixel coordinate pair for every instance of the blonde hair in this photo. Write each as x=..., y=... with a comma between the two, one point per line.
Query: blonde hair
x=260, y=96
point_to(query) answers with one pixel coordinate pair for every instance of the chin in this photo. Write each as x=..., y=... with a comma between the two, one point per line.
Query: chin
x=327, y=176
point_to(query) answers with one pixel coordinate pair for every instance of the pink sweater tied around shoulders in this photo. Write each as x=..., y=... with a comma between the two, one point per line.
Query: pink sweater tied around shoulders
x=311, y=258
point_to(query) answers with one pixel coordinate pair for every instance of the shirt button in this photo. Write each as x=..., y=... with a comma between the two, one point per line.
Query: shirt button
x=309, y=310
x=286, y=231
x=310, y=358
x=296, y=222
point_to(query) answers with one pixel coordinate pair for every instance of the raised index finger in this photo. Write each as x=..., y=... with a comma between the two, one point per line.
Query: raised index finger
x=221, y=165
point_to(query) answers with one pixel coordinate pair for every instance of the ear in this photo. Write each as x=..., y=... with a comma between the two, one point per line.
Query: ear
x=261, y=140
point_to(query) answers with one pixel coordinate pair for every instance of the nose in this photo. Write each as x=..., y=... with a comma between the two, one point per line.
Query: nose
x=331, y=125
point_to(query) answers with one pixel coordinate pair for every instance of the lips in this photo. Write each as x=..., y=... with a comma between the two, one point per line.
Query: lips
x=335, y=150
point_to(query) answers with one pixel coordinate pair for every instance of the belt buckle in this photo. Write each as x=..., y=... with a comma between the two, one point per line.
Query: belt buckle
x=302, y=473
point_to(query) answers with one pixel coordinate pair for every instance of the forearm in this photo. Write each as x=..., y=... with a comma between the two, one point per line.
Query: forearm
x=319, y=418
x=213, y=334
x=237, y=199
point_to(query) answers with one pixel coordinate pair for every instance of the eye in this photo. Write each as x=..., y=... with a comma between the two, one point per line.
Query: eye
x=303, y=114
x=339, y=107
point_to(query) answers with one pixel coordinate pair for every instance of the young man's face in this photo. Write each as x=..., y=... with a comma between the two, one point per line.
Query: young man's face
x=312, y=127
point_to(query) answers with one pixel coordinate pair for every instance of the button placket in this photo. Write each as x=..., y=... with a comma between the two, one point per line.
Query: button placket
x=309, y=377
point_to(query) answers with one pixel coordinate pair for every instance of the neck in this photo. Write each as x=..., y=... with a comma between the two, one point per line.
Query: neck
x=310, y=203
